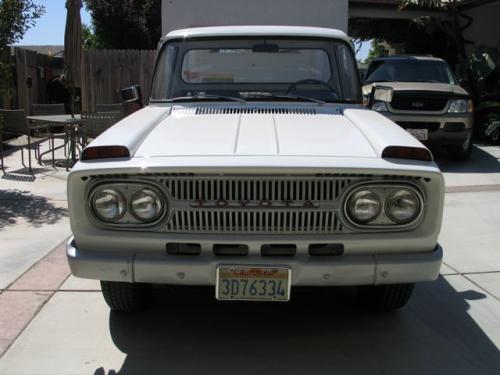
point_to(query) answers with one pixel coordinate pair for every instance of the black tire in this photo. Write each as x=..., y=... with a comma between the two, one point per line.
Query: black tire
x=462, y=152
x=385, y=297
x=122, y=296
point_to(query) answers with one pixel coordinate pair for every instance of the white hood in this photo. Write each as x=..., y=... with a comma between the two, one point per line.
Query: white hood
x=186, y=133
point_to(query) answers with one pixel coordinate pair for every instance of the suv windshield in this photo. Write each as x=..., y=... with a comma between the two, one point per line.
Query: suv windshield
x=256, y=69
x=411, y=70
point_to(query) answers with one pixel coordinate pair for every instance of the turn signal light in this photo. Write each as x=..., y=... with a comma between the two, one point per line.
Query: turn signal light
x=411, y=153
x=105, y=152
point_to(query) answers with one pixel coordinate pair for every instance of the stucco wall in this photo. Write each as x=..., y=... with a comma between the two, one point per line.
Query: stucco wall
x=177, y=14
x=484, y=28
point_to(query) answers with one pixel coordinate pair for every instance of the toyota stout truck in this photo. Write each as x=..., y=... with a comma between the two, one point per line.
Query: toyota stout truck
x=255, y=169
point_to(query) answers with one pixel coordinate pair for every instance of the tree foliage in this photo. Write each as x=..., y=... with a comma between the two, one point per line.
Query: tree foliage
x=377, y=49
x=125, y=24
x=16, y=17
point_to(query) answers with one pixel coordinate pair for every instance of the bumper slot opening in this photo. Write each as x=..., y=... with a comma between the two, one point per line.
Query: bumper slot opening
x=175, y=248
x=279, y=250
x=232, y=250
x=453, y=127
x=322, y=249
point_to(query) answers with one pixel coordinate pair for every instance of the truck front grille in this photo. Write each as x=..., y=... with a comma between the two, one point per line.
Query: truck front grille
x=252, y=204
x=427, y=103
x=255, y=204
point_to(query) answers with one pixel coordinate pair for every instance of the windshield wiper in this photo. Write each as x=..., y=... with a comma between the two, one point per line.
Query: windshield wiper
x=204, y=97
x=287, y=96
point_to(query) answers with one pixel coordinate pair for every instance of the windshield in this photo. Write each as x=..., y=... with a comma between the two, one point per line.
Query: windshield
x=410, y=71
x=256, y=69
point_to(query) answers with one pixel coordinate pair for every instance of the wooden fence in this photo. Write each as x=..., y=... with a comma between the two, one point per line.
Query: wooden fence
x=36, y=66
x=106, y=72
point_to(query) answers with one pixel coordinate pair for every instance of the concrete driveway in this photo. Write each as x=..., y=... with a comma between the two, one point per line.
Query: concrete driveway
x=451, y=326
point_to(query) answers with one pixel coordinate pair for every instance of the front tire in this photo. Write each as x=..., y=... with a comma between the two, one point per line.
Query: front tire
x=121, y=296
x=385, y=297
x=462, y=152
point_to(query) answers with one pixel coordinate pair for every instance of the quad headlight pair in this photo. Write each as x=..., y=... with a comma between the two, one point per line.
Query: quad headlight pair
x=384, y=205
x=127, y=203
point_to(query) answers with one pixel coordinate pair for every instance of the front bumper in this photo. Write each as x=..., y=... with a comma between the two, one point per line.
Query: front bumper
x=306, y=270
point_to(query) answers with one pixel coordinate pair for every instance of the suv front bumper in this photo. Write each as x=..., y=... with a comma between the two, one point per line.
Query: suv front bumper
x=306, y=270
x=448, y=129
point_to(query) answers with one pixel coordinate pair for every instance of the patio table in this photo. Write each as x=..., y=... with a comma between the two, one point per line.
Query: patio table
x=70, y=123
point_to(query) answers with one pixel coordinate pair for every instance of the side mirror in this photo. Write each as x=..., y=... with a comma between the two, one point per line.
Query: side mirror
x=132, y=94
x=463, y=82
x=131, y=99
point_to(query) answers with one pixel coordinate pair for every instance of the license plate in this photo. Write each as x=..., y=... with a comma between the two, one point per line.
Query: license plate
x=420, y=134
x=247, y=283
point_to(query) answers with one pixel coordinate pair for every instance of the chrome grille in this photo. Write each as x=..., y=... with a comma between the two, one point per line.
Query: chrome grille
x=321, y=193
x=237, y=221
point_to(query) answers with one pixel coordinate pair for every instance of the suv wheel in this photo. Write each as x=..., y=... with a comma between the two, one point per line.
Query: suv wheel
x=385, y=297
x=121, y=296
x=462, y=152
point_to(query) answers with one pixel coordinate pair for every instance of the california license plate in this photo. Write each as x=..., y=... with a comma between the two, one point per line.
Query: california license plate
x=420, y=134
x=248, y=283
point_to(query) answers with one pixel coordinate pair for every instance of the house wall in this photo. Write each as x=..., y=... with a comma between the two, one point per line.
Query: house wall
x=178, y=14
x=484, y=28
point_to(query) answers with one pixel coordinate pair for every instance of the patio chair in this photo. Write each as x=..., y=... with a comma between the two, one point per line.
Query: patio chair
x=95, y=123
x=55, y=131
x=15, y=130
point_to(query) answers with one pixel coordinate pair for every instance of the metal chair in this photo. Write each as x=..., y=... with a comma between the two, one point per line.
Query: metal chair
x=95, y=123
x=55, y=131
x=15, y=130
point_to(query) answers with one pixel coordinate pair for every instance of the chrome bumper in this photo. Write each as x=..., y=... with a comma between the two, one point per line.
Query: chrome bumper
x=306, y=270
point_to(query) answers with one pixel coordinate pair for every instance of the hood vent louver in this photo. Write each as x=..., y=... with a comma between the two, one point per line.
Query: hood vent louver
x=254, y=110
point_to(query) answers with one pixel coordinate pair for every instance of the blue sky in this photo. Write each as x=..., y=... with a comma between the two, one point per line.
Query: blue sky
x=49, y=29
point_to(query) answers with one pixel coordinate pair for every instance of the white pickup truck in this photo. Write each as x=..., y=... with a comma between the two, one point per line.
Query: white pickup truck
x=255, y=169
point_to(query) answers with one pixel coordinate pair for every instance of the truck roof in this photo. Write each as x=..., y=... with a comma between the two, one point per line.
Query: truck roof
x=228, y=31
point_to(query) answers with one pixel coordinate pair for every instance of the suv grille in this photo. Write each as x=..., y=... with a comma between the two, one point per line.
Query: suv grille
x=402, y=102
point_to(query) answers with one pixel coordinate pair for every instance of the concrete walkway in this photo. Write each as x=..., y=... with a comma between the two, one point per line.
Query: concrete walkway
x=451, y=326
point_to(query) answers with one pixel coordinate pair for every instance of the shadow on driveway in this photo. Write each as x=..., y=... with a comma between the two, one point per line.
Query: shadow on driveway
x=36, y=210
x=479, y=162
x=318, y=332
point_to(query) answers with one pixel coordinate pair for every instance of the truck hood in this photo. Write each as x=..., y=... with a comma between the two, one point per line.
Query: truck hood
x=244, y=130
x=188, y=133
x=444, y=88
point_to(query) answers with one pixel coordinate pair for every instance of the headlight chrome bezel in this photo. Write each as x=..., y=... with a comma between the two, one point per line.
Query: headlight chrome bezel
x=127, y=189
x=383, y=190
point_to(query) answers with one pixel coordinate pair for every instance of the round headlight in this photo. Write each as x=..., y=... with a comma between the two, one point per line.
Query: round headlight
x=364, y=206
x=146, y=205
x=402, y=206
x=108, y=204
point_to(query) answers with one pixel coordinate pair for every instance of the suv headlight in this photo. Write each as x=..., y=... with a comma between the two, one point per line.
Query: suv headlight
x=108, y=204
x=460, y=106
x=146, y=205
